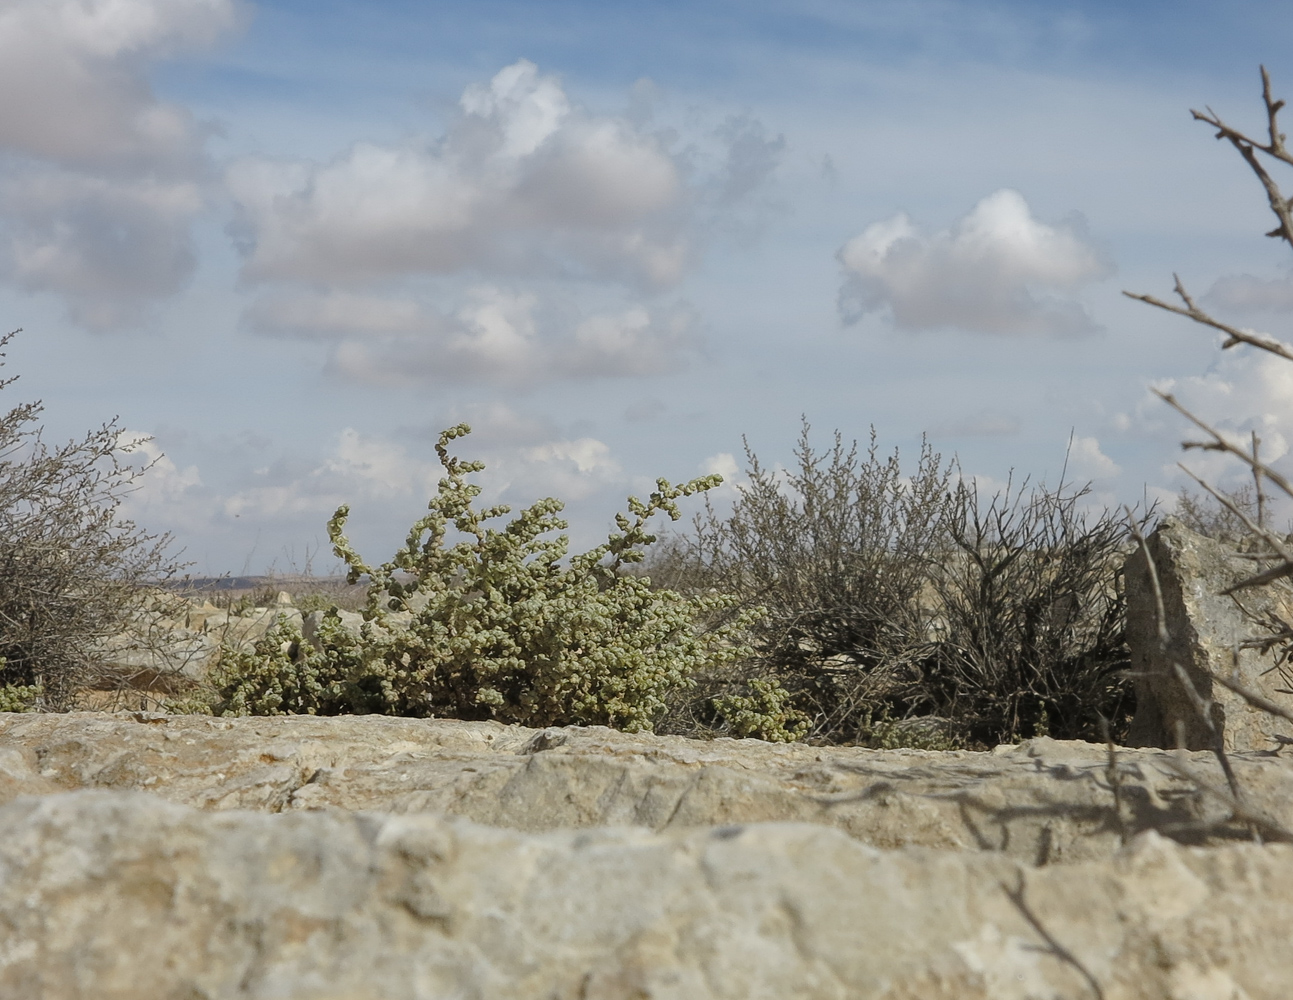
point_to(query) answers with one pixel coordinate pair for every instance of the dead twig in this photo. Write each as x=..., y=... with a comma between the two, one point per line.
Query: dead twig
x=1273, y=147
x=1235, y=335
x=1270, y=828
x=1017, y=897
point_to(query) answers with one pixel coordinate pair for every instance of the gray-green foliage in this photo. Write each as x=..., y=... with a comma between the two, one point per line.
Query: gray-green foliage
x=906, y=609
x=471, y=621
x=765, y=713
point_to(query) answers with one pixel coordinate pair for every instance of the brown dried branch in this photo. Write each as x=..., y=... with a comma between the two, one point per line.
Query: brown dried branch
x=1277, y=544
x=1016, y=896
x=1269, y=827
x=1160, y=612
x=1235, y=334
x=1248, y=148
x=1257, y=483
x=1254, y=699
x=1219, y=443
x=1114, y=778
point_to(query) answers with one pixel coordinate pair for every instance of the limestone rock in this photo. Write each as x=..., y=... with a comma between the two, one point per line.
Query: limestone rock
x=1044, y=801
x=123, y=895
x=1204, y=628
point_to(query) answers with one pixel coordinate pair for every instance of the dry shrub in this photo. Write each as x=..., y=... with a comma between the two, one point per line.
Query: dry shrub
x=73, y=572
x=905, y=609
x=1032, y=614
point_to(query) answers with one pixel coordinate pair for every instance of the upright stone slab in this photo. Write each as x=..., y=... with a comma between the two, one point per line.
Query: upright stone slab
x=1204, y=630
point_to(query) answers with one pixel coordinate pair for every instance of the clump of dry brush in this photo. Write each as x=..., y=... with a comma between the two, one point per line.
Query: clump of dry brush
x=906, y=608
x=73, y=572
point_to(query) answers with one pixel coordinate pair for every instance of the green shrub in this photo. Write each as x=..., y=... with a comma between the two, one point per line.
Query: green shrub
x=764, y=713
x=19, y=697
x=469, y=621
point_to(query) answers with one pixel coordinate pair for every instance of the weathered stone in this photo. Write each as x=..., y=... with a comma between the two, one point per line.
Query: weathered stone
x=1044, y=801
x=122, y=895
x=1205, y=629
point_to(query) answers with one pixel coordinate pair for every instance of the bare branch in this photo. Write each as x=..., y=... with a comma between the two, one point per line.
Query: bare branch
x=1235, y=334
x=1248, y=148
x=1253, y=698
x=1268, y=826
x=1257, y=482
x=1219, y=443
x=1017, y=896
x=1277, y=544
x=1160, y=610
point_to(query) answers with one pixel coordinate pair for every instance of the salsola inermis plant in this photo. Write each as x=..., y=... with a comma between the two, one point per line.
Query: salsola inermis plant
x=473, y=621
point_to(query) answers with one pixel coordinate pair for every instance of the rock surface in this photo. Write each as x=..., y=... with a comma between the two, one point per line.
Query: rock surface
x=1205, y=629
x=123, y=895
x=1044, y=801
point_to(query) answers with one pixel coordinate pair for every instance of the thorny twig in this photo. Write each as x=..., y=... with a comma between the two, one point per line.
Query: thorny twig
x=1248, y=149
x=1016, y=896
x=1235, y=335
x=1115, y=781
x=1259, y=822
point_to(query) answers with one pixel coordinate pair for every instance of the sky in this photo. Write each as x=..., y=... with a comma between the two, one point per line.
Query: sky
x=289, y=242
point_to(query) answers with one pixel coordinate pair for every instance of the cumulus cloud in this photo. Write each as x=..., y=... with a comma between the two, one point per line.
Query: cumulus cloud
x=99, y=180
x=1243, y=393
x=494, y=335
x=1246, y=293
x=1087, y=463
x=523, y=182
x=372, y=471
x=474, y=256
x=108, y=245
x=998, y=270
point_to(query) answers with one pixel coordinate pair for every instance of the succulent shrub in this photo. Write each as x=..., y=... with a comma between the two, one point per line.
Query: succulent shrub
x=473, y=621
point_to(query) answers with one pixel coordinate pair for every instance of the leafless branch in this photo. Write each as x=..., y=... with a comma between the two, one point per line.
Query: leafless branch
x=1277, y=544
x=1017, y=896
x=1253, y=698
x=1219, y=443
x=1248, y=148
x=1160, y=611
x=1114, y=777
x=1269, y=827
x=1235, y=334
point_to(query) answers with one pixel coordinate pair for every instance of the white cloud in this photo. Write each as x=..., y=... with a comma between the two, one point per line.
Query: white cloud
x=995, y=271
x=523, y=183
x=494, y=334
x=163, y=482
x=99, y=180
x=1087, y=463
x=1245, y=392
x=109, y=246
x=726, y=465
x=1246, y=293
x=380, y=476
x=72, y=72
x=532, y=241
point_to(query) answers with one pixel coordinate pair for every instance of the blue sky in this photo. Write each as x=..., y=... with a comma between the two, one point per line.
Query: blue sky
x=292, y=241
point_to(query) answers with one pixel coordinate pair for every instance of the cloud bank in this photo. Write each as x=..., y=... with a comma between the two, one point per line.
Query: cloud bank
x=475, y=255
x=998, y=270
x=522, y=183
x=99, y=180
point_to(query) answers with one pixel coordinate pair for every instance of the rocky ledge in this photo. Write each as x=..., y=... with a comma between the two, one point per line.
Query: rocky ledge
x=148, y=856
